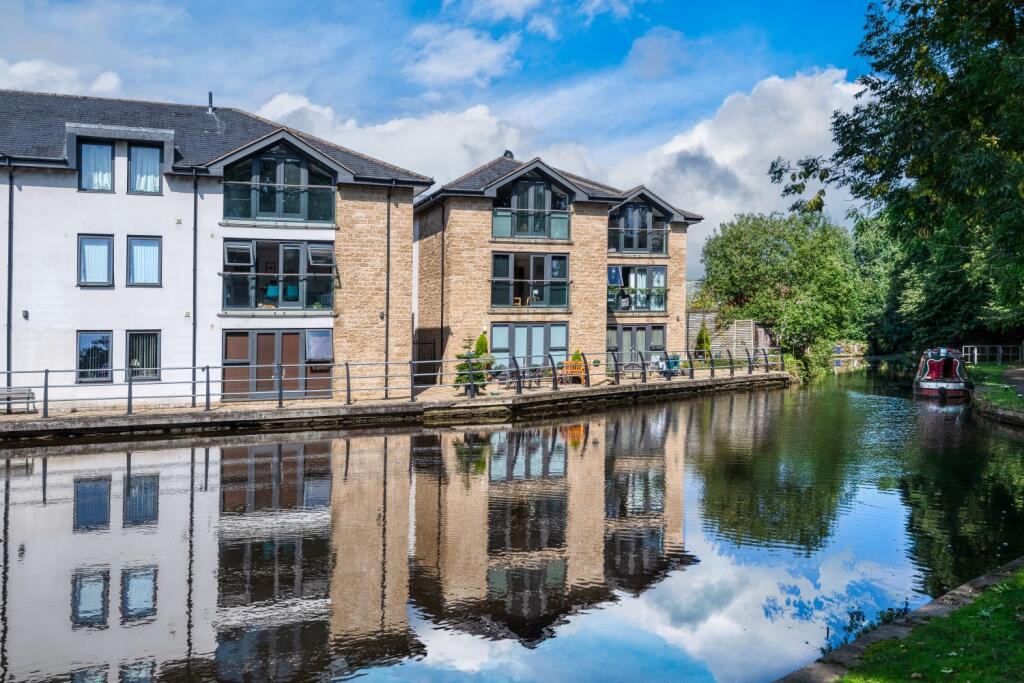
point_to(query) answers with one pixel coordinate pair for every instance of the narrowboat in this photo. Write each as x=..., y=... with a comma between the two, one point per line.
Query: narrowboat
x=941, y=375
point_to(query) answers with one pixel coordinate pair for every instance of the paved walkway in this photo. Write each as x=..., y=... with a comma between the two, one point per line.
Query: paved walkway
x=1015, y=378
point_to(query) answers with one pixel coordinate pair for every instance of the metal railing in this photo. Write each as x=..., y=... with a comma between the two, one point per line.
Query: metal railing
x=253, y=291
x=624, y=299
x=530, y=223
x=275, y=202
x=54, y=391
x=506, y=293
x=993, y=353
x=637, y=240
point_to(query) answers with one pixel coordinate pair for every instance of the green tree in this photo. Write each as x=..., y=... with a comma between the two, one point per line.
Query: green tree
x=796, y=274
x=704, y=340
x=936, y=142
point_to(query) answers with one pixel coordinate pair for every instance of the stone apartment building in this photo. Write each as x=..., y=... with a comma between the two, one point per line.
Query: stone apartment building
x=546, y=262
x=148, y=239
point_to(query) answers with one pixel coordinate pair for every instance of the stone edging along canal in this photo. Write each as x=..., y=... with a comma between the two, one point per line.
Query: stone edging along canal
x=154, y=422
x=840, y=661
x=987, y=410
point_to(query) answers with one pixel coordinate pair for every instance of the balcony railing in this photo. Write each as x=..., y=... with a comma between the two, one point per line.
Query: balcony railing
x=529, y=293
x=257, y=291
x=270, y=202
x=637, y=240
x=530, y=224
x=625, y=299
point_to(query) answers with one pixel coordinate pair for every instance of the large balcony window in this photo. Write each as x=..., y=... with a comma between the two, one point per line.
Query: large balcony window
x=637, y=288
x=529, y=280
x=278, y=275
x=636, y=228
x=533, y=209
x=279, y=185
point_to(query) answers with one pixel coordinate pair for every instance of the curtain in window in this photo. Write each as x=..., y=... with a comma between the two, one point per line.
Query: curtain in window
x=145, y=171
x=95, y=260
x=96, y=167
x=144, y=266
x=143, y=352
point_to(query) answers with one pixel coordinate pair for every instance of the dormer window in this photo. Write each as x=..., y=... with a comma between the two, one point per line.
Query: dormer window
x=279, y=184
x=636, y=227
x=96, y=167
x=531, y=208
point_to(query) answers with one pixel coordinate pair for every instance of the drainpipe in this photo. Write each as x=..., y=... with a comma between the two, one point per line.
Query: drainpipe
x=10, y=270
x=440, y=329
x=387, y=297
x=195, y=277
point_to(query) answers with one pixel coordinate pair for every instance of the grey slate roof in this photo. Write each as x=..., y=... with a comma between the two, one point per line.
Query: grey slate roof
x=477, y=180
x=33, y=126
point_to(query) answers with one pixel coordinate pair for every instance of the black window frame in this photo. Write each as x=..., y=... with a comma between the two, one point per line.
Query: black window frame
x=510, y=280
x=75, y=526
x=77, y=622
x=306, y=264
x=131, y=617
x=618, y=231
x=110, y=261
x=281, y=153
x=127, y=355
x=78, y=357
x=548, y=349
x=160, y=261
x=113, y=168
x=159, y=175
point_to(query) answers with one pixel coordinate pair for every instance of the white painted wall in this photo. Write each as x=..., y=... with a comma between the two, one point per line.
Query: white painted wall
x=45, y=553
x=50, y=213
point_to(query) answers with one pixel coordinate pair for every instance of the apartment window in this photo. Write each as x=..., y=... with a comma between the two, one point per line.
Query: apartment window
x=540, y=280
x=92, y=504
x=143, y=355
x=96, y=260
x=633, y=341
x=529, y=343
x=637, y=288
x=144, y=169
x=137, y=672
x=635, y=227
x=94, y=351
x=141, y=499
x=531, y=208
x=145, y=261
x=90, y=590
x=269, y=275
x=96, y=167
x=279, y=184
x=251, y=359
x=138, y=593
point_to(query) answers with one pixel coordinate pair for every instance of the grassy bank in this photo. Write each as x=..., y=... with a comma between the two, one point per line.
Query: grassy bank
x=992, y=389
x=980, y=642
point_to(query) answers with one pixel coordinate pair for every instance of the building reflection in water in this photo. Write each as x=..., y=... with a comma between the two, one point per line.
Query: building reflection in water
x=287, y=561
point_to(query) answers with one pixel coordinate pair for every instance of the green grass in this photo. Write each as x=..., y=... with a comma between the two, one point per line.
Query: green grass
x=981, y=642
x=991, y=388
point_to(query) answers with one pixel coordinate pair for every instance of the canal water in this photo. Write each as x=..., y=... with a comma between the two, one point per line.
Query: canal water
x=725, y=538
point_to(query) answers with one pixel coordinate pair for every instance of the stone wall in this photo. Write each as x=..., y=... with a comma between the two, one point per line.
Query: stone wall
x=361, y=252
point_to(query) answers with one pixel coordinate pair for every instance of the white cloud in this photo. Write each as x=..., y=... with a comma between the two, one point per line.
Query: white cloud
x=441, y=144
x=544, y=25
x=619, y=8
x=716, y=167
x=719, y=166
x=47, y=76
x=496, y=10
x=447, y=55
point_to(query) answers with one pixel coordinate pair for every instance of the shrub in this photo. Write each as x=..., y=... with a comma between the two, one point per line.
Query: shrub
x=704, y=341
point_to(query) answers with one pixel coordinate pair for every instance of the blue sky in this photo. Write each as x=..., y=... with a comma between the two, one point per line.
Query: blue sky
x=691, y=98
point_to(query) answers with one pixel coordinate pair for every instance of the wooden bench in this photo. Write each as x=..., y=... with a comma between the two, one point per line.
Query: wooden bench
x=8, y=397
x=572, y=371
